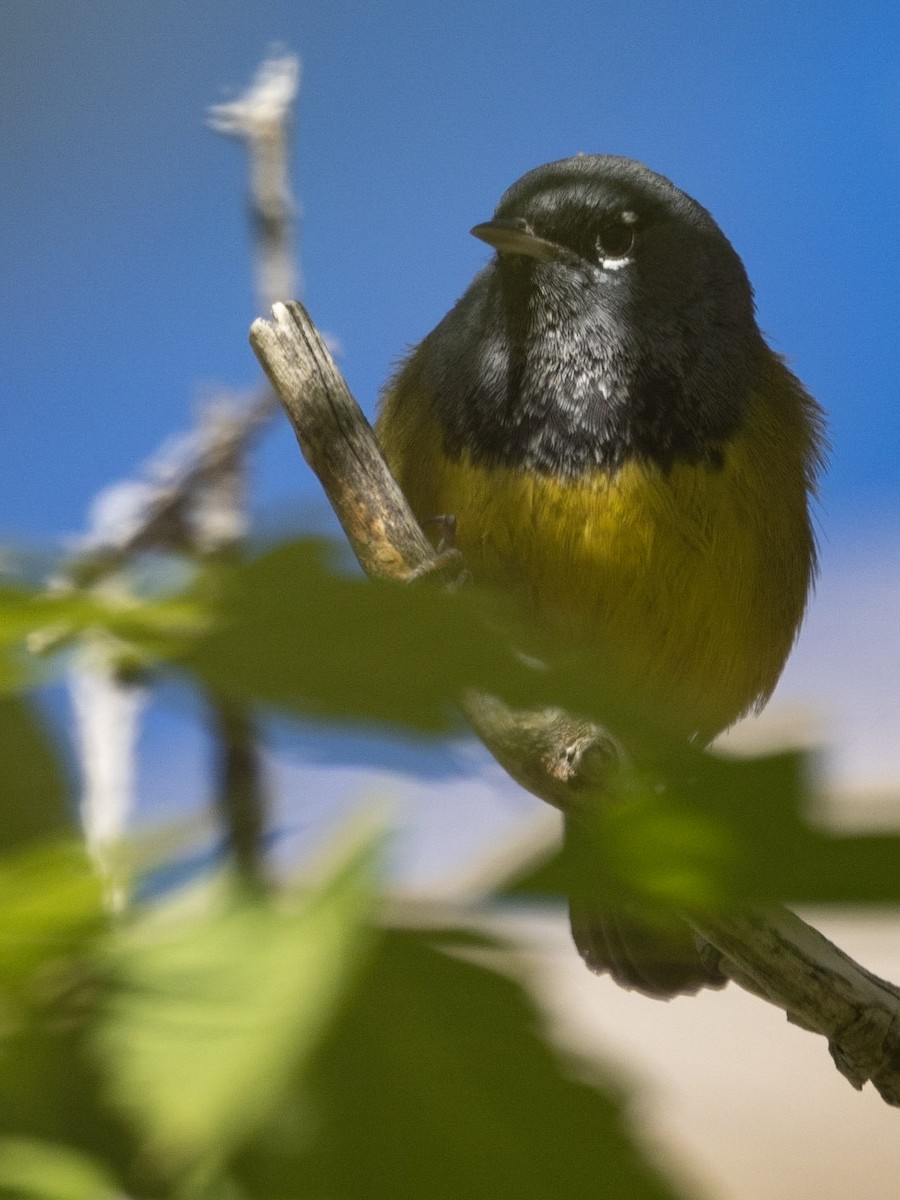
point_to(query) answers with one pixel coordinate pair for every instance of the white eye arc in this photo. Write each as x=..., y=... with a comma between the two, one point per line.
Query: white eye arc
x=615, y=240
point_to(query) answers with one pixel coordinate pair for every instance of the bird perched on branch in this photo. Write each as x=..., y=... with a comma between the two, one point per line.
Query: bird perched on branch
x=622, y=449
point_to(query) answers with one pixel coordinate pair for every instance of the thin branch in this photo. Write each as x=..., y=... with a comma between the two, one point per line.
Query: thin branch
x=190, y=501
x=262, y=119
x=179, y=505
x=240, y=788
x=773, y=954
x=340, y=446
x=107, y=720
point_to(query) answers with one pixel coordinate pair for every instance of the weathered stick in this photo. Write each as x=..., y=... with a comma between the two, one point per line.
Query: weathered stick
x=191, y=501
x=262, y=118
x=777, y=956
x=339, y=444
x=771, y=953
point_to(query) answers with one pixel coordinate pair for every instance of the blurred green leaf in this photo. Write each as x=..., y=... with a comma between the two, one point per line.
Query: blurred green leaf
x=704, y=831
x=33, y=792
x=295, y=634
x=51, y=921
x=50, y=908
x=766, y=809
x=46, y=1171
x=692, y=828
x=32, y=619
x=26, y=609
x=157, y=628
x=34, y=624
x=206, y=1020
x=438, y=1083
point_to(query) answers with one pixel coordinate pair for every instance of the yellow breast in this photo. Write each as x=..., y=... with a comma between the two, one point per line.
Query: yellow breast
x=693, y=579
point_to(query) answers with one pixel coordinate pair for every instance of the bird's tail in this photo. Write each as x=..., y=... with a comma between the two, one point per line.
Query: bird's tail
x=660, y=958
x=646, y=948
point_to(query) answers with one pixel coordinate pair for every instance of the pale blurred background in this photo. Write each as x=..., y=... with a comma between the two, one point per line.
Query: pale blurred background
x=127, y=292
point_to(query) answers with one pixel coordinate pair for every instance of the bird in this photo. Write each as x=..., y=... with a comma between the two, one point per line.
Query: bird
x=621, y=449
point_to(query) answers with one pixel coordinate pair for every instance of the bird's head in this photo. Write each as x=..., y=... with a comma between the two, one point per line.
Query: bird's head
x=615, y=319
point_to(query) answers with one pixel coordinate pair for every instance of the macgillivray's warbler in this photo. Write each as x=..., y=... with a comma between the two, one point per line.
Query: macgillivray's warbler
x=620, y=447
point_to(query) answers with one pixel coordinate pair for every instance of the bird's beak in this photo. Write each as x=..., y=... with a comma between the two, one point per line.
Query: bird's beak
x=515, y=237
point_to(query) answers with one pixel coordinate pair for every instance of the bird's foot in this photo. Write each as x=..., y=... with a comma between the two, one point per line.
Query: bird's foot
x=448, y=567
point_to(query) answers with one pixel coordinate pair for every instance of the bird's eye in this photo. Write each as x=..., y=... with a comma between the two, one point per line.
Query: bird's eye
x=615, y=238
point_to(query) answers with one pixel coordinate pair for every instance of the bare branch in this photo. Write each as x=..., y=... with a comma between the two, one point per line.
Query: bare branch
x=339, y=444
x=190, y=500
x=261, y=119
x=549, y=752
x=178, y=505
x=107, y=718
x=773, y=954
x=240, y=788
x=777, y=956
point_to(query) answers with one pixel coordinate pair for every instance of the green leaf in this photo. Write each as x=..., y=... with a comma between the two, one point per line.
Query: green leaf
x=24, y=610
x=34, y=624
x=51, y=920
x=45, y=1171
x=438, y=1083
x=691, y=829
x=206, y=1020
x=703, y=831
x=154, y=628
x=291, y=632
x=33, y=792
x=766, y=809
x=294, y=634
x=50, y=909
x=29, y=618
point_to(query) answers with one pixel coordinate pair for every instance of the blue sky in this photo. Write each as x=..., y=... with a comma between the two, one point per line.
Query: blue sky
x=126, y=284
x=126, y=277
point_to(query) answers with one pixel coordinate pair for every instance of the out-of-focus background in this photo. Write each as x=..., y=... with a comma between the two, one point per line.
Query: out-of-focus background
x=126, y=297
